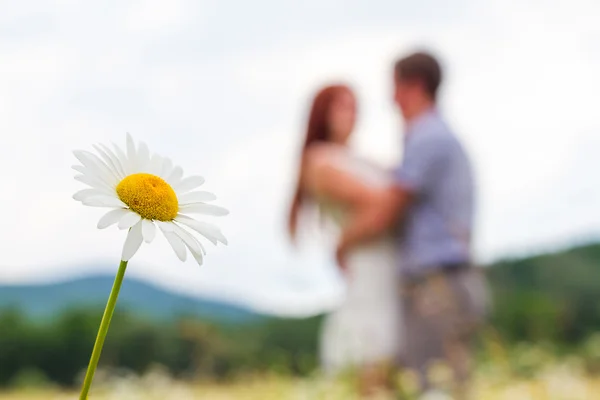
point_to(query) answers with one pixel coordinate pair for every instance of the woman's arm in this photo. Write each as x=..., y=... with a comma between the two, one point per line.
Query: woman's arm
x=322, y=176
x=379, y=213
x=372, y=210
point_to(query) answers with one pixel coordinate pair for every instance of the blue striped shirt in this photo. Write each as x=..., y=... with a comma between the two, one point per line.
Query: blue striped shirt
x=438, y=224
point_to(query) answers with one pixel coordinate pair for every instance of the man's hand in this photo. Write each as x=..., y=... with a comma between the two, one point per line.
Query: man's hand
x=372, y=211
x=370, y=220
x=380, y=212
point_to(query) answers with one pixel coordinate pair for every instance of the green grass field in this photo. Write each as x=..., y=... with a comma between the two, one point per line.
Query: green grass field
x=521, y=372
x=560, y=382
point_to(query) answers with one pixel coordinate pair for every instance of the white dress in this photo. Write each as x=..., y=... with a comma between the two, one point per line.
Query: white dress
x=365, y=328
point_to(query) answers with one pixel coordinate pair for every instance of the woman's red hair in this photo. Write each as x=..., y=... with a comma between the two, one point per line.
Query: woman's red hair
x=317, y=131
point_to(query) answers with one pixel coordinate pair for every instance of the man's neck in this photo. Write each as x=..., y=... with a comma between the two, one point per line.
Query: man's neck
x=421, y=111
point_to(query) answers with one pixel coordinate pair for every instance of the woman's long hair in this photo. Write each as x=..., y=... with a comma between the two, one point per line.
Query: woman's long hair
x=317, y=131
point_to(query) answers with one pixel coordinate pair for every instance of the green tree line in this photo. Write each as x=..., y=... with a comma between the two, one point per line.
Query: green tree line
x=189, y=348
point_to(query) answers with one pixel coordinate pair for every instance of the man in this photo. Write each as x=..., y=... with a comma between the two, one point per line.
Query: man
x=432, y=203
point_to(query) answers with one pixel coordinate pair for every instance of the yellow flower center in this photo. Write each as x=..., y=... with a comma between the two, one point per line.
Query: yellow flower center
x=149, y=196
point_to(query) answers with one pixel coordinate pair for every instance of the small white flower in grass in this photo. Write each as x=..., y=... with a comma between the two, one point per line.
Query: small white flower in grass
x=145, y=192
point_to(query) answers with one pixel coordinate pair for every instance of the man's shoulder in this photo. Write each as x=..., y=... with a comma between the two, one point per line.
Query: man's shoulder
x=438, y=142
x=431, y=136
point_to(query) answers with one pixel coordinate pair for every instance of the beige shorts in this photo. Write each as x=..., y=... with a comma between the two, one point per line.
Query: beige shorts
x=442, y=312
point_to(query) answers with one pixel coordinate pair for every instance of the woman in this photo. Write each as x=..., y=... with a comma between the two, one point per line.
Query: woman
x=363, y=332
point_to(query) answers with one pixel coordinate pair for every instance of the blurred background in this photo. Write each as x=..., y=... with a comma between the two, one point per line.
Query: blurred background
x=223, y=88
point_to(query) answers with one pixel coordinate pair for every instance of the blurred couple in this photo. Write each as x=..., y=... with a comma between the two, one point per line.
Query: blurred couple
x=404, y=246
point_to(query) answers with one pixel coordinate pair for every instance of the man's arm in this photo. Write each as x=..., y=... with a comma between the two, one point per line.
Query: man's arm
x=380, y=212
x=423, y=158
x=372, y=211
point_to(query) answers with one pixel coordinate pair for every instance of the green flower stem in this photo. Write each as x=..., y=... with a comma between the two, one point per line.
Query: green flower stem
x=108, y=313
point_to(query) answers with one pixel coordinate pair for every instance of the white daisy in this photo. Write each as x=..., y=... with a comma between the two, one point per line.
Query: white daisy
x=145, y=192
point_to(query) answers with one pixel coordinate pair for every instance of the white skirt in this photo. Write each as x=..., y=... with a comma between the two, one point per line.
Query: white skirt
x=365, y=329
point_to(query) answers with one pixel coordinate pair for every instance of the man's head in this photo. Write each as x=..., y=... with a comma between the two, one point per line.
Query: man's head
x=417, y=78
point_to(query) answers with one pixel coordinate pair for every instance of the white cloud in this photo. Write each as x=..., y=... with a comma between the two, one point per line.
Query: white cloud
x=156, y=15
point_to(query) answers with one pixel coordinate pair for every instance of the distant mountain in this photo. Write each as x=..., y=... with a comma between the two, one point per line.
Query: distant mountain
x=46, y=300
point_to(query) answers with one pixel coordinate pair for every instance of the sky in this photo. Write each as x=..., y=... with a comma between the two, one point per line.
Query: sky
x=223, y=88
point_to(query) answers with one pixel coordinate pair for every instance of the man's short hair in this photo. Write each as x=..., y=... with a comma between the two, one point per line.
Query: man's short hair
x=421, y=67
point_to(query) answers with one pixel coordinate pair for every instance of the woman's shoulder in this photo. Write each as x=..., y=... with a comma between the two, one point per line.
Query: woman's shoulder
x=369, y=170
x=327, y=155
x=325, y=152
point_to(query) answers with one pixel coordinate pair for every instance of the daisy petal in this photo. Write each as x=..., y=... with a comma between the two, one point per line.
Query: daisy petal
x=155, y=167
x=198, y=257
x=93, y=182
x=175, y=176
x=123, y=160
x=95, y=166
x=86, y=193
x=175, y=242
x=88, y=172
x=148, y=230
x=131, y=153
x=196, y=197
x=143, y=157
x=206, y=209
x=209, y=231
x=104, y=201
x=165, y=226
x=133, y=242
x=188, y=184
x=104, y=167
x=194, y=246
x=166, y=168
x=84, y=160
x=190, y=241
x=109, y=162
x=79, y=168
x=112, y=217
x=128, y=220
x=115, y=160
